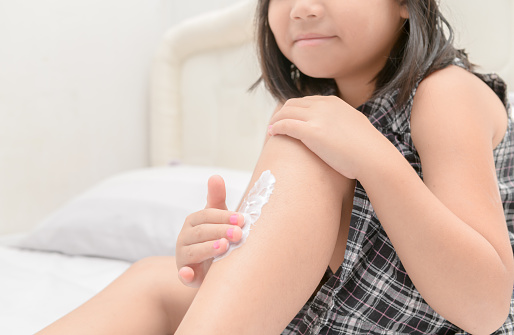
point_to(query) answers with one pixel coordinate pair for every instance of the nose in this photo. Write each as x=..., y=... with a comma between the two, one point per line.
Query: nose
x=307, y=10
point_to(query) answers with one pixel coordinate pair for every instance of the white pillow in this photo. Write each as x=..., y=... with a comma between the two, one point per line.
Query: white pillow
x=132, y=215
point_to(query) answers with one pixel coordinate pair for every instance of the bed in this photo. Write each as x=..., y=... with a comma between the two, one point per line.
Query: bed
x=202, y=121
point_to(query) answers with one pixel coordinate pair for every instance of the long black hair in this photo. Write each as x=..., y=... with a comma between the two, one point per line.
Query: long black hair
x=424, y=46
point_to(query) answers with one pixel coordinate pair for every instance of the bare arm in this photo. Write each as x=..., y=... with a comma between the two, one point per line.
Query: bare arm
x=450, y=231
x=266, y=138
x=261, y=286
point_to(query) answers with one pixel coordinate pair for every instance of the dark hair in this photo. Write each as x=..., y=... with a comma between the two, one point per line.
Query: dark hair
x=422, y=48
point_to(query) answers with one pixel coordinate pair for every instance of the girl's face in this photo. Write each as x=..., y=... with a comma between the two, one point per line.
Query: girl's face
x=340, y=39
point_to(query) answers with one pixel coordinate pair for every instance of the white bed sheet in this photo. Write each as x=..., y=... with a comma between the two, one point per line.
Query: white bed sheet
x=37, y=288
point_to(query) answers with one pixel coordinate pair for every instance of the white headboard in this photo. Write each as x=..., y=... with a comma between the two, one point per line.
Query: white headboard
x=201, y=112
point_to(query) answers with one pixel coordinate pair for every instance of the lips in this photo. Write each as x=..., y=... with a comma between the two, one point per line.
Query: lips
x=312, y=39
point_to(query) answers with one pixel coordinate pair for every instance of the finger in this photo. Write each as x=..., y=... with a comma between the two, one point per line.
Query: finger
x=234, y=234
x=293, y=128
x=317, y=97
x=216, y=193
x=215, y=216
x=303, y=102
x=211, y=232
x=200, y=252
x=296, y=113
x=186, y=275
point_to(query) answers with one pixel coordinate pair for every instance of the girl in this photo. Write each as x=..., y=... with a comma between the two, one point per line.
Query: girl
x=393, y=201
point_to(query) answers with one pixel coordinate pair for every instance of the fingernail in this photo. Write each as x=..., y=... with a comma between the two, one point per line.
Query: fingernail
x=269, y=129
x=230, y=232
x=234, y=219
x=216, y=244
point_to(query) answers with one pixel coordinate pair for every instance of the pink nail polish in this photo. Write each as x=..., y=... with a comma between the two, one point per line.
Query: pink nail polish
x=230, y=232
x=216, y=245
x=269, y=129
x=233, y=219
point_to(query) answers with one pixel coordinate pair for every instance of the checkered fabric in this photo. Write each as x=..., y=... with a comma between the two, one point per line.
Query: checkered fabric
x=371, y=293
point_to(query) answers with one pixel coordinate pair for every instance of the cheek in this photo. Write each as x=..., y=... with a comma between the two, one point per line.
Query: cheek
x=388, y=24
x=275, y=18
x=353, y=25
x=278, y=18
x=372, y=33
x=370, y=22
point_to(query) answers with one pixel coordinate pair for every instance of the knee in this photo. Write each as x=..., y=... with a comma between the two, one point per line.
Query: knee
x=156, y=267
x=156, y=278
x=158, y=275
x=294, y=155
x=153, y=263
x=152, y=274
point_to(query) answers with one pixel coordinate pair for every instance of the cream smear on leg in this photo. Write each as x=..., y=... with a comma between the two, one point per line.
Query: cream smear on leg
x=251, y=208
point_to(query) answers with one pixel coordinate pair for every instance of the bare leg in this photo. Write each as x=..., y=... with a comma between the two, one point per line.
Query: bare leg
x=147, y=299
x=260, y=287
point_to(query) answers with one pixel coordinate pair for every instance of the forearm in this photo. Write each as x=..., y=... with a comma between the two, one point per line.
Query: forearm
x=448, y=261
x=260, y=286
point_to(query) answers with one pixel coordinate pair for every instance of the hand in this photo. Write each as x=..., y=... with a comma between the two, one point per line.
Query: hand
x=339, y=134
x=206, y=234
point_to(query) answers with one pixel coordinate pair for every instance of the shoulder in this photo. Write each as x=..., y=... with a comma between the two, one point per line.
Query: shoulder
x=454, y=86
x=451, y=97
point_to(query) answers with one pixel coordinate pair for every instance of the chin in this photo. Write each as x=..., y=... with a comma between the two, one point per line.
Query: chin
x=316, y=72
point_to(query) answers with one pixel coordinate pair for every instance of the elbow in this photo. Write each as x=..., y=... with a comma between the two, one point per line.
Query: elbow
x=494, y=305
x=489, y=315
x=487, y=323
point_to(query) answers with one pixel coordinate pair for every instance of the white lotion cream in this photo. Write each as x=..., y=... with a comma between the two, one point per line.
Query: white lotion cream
x=251, y=208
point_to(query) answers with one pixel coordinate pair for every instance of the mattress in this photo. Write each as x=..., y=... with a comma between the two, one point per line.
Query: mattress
x=37, y=288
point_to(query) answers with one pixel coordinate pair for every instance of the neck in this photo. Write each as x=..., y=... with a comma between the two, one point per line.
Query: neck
x=353, y=92
x=356, y=88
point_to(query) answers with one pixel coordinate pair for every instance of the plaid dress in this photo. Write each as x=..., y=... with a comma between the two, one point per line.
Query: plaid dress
x=371, y=293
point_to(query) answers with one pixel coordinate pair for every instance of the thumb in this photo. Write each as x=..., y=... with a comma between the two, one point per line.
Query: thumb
x=216, y=193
